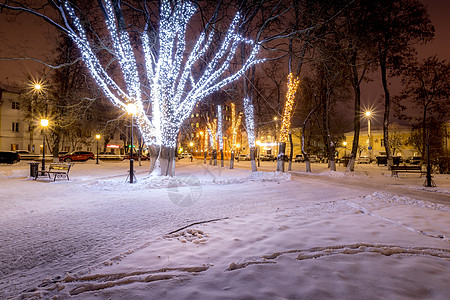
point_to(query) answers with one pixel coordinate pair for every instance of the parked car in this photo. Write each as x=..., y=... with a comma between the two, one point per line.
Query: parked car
x=136, y=156
x=77, y=156
x=185, y=155
x=110, y=156
x=364, y=160
x=299, y=158
x=9, y=157
x=285, y=157
x=243, y=157
x=27, y=155
x=313, y=158
x=267, y=157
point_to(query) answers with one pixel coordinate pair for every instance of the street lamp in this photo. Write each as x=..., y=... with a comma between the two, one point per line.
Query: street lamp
x=131, y=109
x=44, y=124
x=368, y=115
x=97, y=137
x=258, y=143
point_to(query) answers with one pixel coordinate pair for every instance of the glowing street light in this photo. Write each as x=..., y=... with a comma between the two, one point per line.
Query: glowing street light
x=368, y=115
x=97, y=136
x=132, y=110
x=44, y=124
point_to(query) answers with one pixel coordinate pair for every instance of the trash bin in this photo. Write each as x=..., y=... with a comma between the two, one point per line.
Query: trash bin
x=34, y=168
x=381, y=160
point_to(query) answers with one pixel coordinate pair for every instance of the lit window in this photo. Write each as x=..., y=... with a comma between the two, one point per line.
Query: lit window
x=15, y=105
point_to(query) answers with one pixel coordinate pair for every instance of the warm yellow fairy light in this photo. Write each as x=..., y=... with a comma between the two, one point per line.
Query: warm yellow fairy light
x=293, y=84
x=212, y=129
x=235, y=123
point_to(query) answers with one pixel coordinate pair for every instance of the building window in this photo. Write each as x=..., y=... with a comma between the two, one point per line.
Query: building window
x=15, y=127
x=15, y=105
x=14, y=147
x=382, y=142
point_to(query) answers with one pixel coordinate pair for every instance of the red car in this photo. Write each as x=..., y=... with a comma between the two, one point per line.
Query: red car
x=136, y=157
x=77, y=156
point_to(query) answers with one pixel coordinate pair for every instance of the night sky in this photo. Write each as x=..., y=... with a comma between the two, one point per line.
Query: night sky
x=30, y=36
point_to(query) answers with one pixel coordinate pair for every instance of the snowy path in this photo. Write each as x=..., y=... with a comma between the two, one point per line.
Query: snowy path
x=50, y=229
x=75, y=225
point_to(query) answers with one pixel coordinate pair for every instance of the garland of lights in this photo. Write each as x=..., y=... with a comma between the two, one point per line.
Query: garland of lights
x=293, y=84
x=169, y=67
x=220, y=127
x=206, y=139
x=250, y=122
x=212, y=130
x=235, y=123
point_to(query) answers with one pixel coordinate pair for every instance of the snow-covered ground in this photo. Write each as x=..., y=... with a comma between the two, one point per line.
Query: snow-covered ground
x=215, y=233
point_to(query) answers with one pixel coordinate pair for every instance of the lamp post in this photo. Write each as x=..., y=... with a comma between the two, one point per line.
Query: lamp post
x=258, y=143
x=44, y=124
x=369, y=146
x=97, y=136
x=131, y=109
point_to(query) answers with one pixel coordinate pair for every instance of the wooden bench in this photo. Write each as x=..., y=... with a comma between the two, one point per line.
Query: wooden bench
x=407, y=169
x=60, y=170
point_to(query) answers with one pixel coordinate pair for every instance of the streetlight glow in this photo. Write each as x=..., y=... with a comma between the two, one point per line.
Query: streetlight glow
x=368, y=113
x=97, y=136
x=44, y=122
x=131, y=108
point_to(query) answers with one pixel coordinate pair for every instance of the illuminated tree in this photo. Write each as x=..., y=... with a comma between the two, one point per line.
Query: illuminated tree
x=235, y=124
x=286, y=121
x=220, y=132
x=250, y=124
x=176, y=77
x=212, y=132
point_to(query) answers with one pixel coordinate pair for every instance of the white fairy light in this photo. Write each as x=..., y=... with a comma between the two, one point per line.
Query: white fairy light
x=169, y=65
x=220, y=127
x=249, y=121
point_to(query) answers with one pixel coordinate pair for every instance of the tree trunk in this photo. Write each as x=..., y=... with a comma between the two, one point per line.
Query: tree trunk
x=280, y=157
x=252, y=158
x=357, y=115
x=387, y=106
x=167, y=161
x=221, y=158
x=204, y=157
x=153, y=152
x=424, y=131
x=232, y=160
x=331, y=157
x=305, y=155
x=308, y=165
x=291, y=153
x=215, y=157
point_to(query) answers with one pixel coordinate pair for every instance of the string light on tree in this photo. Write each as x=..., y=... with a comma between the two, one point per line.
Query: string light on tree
x=293, y=84
x=249, y=121
x=169, y=66
x=219, y=127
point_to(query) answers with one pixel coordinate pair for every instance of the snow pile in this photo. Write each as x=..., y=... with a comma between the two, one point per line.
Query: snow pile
x=403, y=200
x=185, y=180
x=336, y=174
x=13, y=173
x=270, y=176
